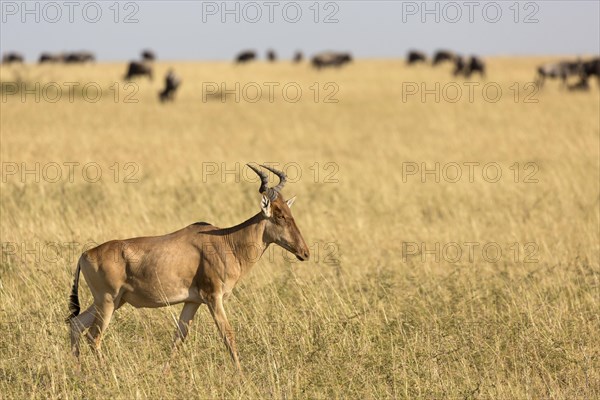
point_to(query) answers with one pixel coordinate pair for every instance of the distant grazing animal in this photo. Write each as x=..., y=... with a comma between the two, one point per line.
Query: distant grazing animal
x=199, y=264
x=475, y=64
x=441, y=56
x=580, y=86
x=172, y=82
x=12, y=57
x=245, y=56
x=591, y=68
x=298, y=57
x=79, y=57
x=560, y=70
x=331, y=59
x=148, y=55
x=51, y=58
x=549, y=70
x=415, y=56
x=138, y=68
x=459, y=65
x=271, y=56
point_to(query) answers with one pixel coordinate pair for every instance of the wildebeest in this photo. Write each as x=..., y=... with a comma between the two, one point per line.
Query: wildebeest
x=51, y=58
x=560, y=70
x=475, y=64
x=459, y=65
x=138, y=68
x=330, y=59
x=148, y=55
x=582, y=85
x=415, y=56
x=441, y=56
x=298, y=57
x=592, y=67
x=245, y=56
x=271, y=56
x=12, y=57
x=78, y=57
x=172, y=82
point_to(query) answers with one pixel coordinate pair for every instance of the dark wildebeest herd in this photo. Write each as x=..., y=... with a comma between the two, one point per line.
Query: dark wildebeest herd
x=135, y=68
x=462, y=65
x=144, y=68
x=562, y=70
x=320, y=60
x=75, y=57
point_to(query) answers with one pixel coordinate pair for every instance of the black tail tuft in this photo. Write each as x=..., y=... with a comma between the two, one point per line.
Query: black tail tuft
x=74, y=297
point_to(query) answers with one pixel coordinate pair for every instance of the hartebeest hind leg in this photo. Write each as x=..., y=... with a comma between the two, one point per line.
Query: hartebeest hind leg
x=183, y=325
x=218, y=312
x=183, y=328
x=79, y=324
x=105, y=307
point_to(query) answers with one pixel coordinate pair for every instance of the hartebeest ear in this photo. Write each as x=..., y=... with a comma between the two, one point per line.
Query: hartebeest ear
x=265, y=206
x=290, y=201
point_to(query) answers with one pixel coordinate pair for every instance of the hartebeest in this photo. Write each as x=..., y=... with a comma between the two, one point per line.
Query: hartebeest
x=199, y=264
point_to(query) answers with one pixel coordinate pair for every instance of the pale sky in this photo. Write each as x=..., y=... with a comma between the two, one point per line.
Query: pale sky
x=217, y=30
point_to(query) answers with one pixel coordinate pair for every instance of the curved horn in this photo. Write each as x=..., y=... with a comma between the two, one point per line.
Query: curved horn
x=264, y=179
x=281, y=175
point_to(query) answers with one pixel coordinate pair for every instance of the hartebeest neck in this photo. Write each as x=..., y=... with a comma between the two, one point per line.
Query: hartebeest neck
x=247, y=241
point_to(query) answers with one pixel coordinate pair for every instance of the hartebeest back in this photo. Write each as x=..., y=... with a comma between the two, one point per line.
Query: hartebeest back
x=197, y=264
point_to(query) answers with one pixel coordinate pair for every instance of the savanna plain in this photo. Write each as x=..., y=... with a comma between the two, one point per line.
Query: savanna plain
x=399, y=298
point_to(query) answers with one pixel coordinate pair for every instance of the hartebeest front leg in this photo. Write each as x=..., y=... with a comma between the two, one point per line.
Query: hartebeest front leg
x=215, y=305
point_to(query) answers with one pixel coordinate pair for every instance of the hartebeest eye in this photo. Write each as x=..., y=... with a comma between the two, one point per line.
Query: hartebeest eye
x=279, y=217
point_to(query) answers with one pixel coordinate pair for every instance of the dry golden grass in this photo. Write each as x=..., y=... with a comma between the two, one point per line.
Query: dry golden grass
x=360, y=320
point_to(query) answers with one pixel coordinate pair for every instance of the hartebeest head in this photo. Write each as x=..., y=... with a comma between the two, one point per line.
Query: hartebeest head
x=281, y=227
